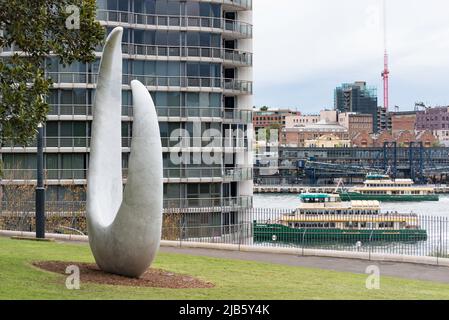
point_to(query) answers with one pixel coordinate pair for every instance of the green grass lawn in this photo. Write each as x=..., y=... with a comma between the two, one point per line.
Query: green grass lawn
x=234, y=279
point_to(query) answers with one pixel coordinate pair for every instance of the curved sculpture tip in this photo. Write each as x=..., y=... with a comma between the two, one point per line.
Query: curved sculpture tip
x=124, y=229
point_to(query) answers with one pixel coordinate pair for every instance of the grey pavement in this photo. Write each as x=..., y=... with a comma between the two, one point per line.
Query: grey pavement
x=393, y=269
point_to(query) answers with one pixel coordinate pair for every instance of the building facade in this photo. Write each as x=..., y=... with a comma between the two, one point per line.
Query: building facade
x=301, y=120
x=297, y=136
x=195, y=58
x=356, y=123
x=273, y=118
x=403, y=121
x=357, y=97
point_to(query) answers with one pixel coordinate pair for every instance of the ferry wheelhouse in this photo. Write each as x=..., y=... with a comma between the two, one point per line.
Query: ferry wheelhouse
x=383, y=188
x=324, y=217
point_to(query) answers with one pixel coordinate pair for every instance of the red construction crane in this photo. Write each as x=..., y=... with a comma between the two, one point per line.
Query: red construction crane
x=386, y=71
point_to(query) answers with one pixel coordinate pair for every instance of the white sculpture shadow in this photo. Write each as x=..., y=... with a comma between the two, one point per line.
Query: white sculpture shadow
x=124, y=227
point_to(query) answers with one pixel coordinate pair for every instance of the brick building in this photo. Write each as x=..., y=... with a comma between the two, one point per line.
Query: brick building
x=403, y=121
x=270, y=118
x=356, y=123
x=297, y=136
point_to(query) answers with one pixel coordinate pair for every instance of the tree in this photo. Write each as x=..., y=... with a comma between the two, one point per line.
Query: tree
x=264, y=108
x=66, y=29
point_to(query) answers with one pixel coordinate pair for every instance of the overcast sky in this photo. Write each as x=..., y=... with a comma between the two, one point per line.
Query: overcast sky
x=305, y=48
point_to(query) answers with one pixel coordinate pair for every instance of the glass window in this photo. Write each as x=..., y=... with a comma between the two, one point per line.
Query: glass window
x=161, y=99
x=66, y=96
x=66, y=128
x=112, y=5
x=205, y=39
x=173, y=8
x=79, y=129
x=205, y=9
x=215, y=40
x=138, y=6
x=102, y=4
x=192, y=70
x=123, y=5
x=79, y=96
x=193, y=99
x=204, y=70
x=150, y=6
x=173, y=99
x=150, y=37
x=138, y=36
x=161, y=68
x=150, y=68
x=192, y=8
x=173, y=69
x=138, y=67
x=161, y=38
x=173, y=38
x=204, y=99
x=193, y=39
x=215, y=100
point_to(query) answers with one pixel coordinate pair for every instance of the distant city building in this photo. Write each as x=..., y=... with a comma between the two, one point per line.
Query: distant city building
x=356, y=123
x=435, y=120
x=383, y=120
x=403, y=121
x=329, y=116
x=328, y=141
x=402, y=138
x=297, y=136
x=301, y=120
x=357, y=97
x=272, y=117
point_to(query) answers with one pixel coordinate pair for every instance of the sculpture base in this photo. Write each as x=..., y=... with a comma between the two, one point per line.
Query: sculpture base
x=152, y=278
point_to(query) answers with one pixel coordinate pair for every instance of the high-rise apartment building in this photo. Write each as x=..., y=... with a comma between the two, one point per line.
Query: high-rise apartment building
x=195, y=58
x=357, y=97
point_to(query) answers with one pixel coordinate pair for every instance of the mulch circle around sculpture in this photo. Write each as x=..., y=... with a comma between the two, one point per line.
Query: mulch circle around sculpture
x=152, y=278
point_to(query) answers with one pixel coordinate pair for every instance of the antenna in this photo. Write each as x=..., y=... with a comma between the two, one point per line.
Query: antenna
x=386, y=71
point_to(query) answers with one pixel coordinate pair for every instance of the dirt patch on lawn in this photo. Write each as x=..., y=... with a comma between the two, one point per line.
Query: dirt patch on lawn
x=153, y=278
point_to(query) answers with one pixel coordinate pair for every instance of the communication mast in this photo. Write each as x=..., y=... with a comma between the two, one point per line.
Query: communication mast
x=386, y=71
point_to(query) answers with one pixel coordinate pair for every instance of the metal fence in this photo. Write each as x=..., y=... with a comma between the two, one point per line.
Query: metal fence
x=388, y=233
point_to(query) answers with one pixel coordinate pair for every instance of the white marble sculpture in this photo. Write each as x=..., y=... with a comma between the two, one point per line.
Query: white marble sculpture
x=124, y=226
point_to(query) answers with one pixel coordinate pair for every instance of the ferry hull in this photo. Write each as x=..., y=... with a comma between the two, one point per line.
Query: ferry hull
x=280, y=233
x=348, y=196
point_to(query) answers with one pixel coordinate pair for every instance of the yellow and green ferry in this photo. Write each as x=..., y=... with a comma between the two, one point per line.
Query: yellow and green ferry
x=324, y=217
x=383, y=188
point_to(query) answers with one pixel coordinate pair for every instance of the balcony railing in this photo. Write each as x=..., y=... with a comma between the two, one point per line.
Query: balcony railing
x=238, y=174
x=66, y=142
x=203, y=142
x=235, y=202
x=233, y=115
x=228, y=55
x=233, y=85
x=167, y=142
x=239, y=28
x=227, y=174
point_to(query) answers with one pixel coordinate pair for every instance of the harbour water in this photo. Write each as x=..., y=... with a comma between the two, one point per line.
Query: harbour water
x=291, y=201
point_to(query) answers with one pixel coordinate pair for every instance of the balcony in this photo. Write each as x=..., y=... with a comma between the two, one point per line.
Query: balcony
x=229, y=56
x=238, y=29
x=208, y=173
x=226, y=115
x=231, y=203
x=230, y=86
x=177, y=142
x=201, y=173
